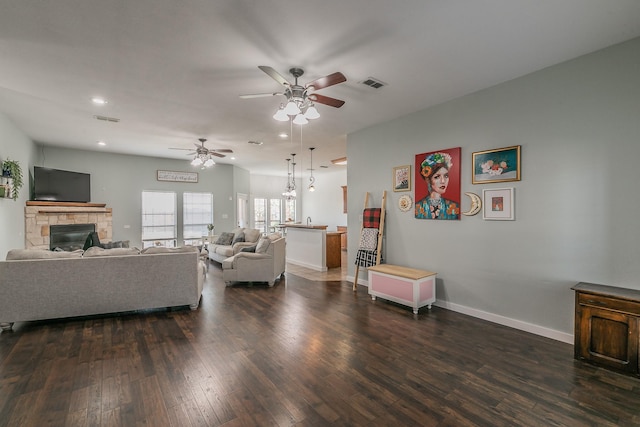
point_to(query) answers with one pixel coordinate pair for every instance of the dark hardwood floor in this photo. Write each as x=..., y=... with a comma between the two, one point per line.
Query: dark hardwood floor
x=302, y=353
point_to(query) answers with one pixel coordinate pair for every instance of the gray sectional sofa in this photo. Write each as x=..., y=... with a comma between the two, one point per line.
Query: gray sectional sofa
x=38, y=285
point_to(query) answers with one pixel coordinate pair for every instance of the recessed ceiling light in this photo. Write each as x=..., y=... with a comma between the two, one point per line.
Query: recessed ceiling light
x=232, y=158
x=283, y=135
x=102, y=143
x=98, y=101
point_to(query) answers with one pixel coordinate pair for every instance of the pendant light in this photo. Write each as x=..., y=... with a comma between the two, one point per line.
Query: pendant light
x=312, y=188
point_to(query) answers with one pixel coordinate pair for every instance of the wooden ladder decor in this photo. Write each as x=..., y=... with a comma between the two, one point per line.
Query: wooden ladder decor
x=364, y=258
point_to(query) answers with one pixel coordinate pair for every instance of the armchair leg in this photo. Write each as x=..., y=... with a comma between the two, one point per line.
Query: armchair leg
x=6, y=326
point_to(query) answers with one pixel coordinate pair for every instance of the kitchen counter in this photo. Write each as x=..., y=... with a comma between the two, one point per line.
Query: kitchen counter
x=312, y=226
x=307, y=245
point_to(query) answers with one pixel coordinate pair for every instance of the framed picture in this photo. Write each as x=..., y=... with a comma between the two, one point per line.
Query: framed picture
x=437, y=184
x=174, y=176
x=402, y=178
x=497, y=204
x=498, y=165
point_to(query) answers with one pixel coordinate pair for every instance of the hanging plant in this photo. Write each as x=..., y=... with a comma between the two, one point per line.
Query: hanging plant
x=11, y=169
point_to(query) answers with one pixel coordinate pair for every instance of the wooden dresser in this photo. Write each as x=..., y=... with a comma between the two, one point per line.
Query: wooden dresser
x=607, y=326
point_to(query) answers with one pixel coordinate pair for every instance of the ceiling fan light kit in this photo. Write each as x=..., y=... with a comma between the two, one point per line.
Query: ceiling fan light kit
x=203, y=156
x=300, y=99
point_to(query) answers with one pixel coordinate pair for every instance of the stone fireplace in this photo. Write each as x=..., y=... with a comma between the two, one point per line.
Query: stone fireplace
x=39, y=216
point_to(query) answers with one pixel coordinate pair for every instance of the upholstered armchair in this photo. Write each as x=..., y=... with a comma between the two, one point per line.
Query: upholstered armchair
x=266, y=264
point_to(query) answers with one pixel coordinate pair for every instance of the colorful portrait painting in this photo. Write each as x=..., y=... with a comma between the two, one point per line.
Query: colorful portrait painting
x=437, y=184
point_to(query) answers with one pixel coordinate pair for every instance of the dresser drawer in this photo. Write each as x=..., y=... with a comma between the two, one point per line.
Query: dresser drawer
x=615, y=304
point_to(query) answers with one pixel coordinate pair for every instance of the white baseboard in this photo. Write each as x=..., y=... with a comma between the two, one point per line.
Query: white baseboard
x=496, y=318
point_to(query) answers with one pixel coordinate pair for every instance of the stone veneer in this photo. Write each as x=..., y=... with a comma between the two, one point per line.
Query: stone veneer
x=40, y=215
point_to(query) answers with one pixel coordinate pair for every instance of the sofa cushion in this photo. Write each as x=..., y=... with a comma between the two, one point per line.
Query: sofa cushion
x=21, y=254
x=98, y=251
x=238, y=237
x=251, y=234
x=249, y=249
x=263, y=245
x=228, y=263
x=224, y=250
x=163, y=250
x=225, y=239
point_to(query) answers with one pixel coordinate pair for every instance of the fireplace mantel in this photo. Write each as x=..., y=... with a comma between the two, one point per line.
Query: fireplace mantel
x=68, y=204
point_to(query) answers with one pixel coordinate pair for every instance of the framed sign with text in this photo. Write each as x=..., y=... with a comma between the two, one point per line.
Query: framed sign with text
x=174, y=176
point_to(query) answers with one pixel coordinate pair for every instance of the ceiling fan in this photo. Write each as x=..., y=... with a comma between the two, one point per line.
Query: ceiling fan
x=305, y=95
x=204, y=151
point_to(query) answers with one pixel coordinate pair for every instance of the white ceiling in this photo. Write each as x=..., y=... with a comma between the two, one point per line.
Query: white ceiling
x=173, y=71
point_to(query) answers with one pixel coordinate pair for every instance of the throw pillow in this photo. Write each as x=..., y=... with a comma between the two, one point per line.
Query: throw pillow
x=251, y=234
x=263, y=245
x=238, y=238
x=98, y=251
x=249, y=249
x=111, y=245
x=18, y=254
x=225, y=239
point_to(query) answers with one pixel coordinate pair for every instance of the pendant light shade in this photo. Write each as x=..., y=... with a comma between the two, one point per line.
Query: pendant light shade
x=311, y=113
x=292, y=108
x=300, y=120
x=280, y=115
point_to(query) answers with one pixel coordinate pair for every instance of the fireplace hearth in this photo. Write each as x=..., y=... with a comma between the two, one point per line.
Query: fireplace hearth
x=69, y=237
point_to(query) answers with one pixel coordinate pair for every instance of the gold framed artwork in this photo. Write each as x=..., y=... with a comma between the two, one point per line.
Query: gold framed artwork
x=402, y=178
x=497, y=165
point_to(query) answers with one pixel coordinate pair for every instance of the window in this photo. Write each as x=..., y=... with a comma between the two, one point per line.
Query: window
x=260, y=214
x=290, y=210
x=197, y=213
x=158, y=219
x=268, y=213
x=275, y=214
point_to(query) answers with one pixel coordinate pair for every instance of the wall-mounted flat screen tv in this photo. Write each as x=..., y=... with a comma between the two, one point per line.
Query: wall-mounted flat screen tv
x=57, y=185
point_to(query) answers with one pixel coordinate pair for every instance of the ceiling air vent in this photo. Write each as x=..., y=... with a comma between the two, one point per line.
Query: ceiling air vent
x=107, y=119
x=374, y=83
x=255, y=142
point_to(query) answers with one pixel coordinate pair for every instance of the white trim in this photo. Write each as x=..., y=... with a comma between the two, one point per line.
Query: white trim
x=507, y=321
x=496, y=318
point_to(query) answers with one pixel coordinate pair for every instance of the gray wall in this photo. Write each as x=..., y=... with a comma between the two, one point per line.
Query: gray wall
x=118, y=180
x=575, y=207
x=14, y=145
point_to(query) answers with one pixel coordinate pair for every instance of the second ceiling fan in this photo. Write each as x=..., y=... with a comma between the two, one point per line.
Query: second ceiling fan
x=300, y=98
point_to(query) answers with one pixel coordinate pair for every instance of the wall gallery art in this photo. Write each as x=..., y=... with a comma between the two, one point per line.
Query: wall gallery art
x=437, y=184
x=402, y=178
x=498, y=204
x=497, y=165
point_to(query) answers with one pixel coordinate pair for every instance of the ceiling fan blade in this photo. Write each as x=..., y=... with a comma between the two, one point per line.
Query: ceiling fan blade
x=213, y=153
x=274, y=75
x=260, y=95
x=326, y=81
x=187, y=149
x=326, y=100
x=222, y=150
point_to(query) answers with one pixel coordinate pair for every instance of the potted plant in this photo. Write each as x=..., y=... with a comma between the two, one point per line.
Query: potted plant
x=11, y=169
x=210, y=227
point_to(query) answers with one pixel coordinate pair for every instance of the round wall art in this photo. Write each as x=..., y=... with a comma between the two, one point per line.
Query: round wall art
x=405, y=203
